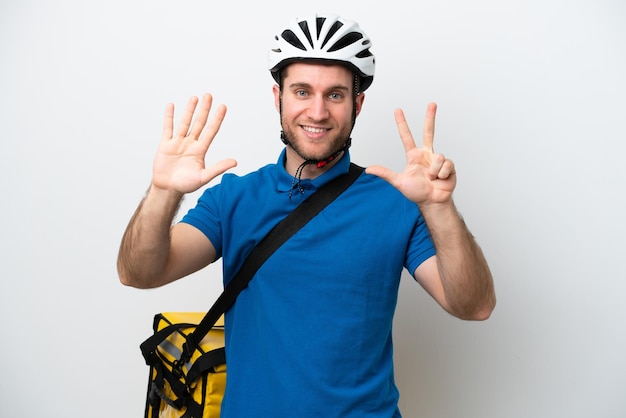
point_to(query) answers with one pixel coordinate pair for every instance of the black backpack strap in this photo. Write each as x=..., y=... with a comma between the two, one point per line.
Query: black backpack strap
x=266, y=247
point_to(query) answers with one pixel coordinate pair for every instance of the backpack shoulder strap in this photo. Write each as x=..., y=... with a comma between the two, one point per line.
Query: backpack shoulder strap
x=268, y=245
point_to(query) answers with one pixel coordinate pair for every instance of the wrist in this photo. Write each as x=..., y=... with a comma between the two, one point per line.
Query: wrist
x=163, y=194
x=438, y=209
x=443, y=218
x=163, y=201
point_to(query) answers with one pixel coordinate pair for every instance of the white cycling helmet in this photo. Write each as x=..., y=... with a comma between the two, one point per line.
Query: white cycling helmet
x=324, y=38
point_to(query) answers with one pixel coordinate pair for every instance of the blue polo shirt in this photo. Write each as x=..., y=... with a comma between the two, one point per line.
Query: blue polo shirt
x=311, y=336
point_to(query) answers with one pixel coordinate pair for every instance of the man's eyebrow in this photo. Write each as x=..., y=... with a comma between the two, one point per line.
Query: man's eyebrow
x=307, y=85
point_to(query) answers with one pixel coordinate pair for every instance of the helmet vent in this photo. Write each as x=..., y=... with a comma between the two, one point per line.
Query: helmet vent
x=291, y=37
x=333, y=29
x=364, y=54
x=348, y=39
x=319, y=22
x=305, y=29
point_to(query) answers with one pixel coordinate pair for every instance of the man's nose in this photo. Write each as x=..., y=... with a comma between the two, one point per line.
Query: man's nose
x=318, y=109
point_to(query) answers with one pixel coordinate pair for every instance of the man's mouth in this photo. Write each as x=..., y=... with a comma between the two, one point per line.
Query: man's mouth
x=313, y=130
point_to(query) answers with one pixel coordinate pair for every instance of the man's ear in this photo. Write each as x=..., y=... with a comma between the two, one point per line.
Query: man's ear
x=359, y=102
x=276, y=91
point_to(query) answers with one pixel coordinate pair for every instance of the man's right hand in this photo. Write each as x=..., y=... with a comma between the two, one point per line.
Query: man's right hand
x=152, y=252
x=179, y=165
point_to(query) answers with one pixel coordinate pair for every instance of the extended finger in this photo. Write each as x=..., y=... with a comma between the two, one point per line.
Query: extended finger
x=185, y=121
x=429, y=126
x=201, y=117
x=214, y=125
x=168, y=121
x=403, y=129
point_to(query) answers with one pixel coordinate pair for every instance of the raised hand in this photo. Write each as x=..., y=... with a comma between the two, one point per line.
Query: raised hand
x=179, y=165
x=428, y=178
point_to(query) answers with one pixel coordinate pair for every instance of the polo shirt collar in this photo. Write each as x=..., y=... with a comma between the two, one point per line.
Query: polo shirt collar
x=285, y=181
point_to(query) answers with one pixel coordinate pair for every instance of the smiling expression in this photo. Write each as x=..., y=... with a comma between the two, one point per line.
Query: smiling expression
x=316, y=112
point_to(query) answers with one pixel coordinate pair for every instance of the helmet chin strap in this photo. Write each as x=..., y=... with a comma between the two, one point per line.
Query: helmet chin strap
x=318, y=163
x=297, y=178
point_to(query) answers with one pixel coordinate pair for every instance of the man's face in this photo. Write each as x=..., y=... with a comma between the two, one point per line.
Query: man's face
x=316, y=109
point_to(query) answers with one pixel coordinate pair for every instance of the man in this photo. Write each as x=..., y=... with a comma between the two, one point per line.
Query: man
x=312, y=333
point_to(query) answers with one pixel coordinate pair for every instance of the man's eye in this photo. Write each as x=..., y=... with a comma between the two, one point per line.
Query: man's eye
x=300, y=93
x=336, y=96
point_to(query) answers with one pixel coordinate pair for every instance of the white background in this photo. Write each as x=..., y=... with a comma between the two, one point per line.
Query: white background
x=532, y=108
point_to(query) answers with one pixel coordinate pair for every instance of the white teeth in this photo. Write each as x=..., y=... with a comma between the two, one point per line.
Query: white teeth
x=313, y=130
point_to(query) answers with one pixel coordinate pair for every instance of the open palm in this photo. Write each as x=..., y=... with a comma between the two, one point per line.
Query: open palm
x=180, y=161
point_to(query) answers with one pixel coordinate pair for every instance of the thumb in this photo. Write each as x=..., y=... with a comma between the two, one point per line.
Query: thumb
x=382, y=172
x=216, y=169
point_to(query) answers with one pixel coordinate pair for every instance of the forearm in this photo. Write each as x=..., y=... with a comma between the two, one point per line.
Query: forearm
x=145, y=245
x=465, y=276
